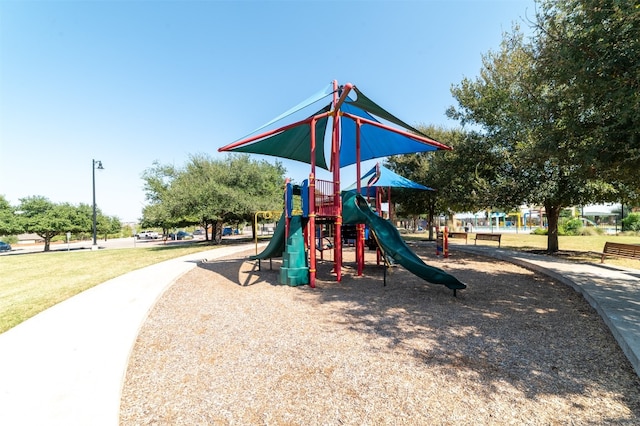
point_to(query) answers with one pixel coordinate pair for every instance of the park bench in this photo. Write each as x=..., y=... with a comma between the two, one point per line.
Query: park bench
x=462, y=235
x=630, y=251
x=488, y=237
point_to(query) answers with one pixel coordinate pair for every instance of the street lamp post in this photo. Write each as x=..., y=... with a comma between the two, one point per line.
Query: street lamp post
x=96, y=165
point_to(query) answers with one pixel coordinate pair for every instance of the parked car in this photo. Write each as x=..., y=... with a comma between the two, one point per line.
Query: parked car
x=229, y=231
x=183, y=235
x=180, y=235
x=147, y=235
x=4, y=246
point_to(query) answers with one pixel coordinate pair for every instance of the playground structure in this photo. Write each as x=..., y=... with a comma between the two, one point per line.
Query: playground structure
x=289, y=238
x=355, y=135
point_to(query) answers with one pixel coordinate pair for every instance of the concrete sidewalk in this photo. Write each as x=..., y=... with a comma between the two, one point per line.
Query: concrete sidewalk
x=66, y=365
x=613, y=291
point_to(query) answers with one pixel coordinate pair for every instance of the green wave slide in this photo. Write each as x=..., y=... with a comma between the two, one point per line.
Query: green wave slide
x=355, y=209
x=275, y=248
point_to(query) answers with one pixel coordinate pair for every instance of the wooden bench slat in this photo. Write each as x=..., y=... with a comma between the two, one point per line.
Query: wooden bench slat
x=488, y=237
x=631, y=251
x=461, y=235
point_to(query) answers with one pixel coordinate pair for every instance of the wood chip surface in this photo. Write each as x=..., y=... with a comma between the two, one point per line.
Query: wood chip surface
x=227, y=345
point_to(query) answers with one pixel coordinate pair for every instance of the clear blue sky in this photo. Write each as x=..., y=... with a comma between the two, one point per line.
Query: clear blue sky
x=130, y=82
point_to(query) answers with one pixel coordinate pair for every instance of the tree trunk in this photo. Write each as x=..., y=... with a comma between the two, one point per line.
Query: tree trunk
x=254, y=230
x=430, y=220
x=392, y=212
x=46, y=236
x=217, y=232
x=553, y=215
x=206, y=230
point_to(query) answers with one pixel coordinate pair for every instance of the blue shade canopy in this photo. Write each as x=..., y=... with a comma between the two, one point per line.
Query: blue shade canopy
x=381, y=176
x=375, y=142
x=293, y=141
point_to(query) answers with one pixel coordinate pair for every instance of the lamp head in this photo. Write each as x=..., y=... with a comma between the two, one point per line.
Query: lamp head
x=99, y=163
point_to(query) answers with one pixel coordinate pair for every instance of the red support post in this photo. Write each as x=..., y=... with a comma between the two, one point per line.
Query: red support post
x=320, y=238
x=445, y=243
x=345, y=91
x=287, y=221
x=312, y=208
x=389, y=204
x=379, y=210
x=359, y=226
x=337, y=199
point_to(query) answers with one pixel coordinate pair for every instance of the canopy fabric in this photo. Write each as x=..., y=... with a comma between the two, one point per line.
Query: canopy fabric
x=381, y=176
x=375, y=142
x=368, y=105
x=294, y=143
x=328, y=90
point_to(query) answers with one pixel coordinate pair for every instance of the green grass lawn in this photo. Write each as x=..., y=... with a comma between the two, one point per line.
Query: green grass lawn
x=578, y=248
x=33, y=282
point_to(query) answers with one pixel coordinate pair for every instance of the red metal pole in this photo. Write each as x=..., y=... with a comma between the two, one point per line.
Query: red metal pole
x=345, y=91
x=312, y=208
x=337, y=199
x=389, y=204
x=286, y=213
x=379, y=210
x=320, y=238
x=359, y=226
x=445, y=243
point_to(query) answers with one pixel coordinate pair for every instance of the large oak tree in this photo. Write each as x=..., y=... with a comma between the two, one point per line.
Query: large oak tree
x=524, y=119
x=213, y=191
x=47, y=219
x=588, y=53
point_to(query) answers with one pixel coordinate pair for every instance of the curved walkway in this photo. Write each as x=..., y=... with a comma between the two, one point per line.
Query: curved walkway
x=613, y=291
x=65, y=366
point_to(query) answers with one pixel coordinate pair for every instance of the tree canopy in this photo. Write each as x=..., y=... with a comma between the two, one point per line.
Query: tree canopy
x=212, y=191
x=9, y=223
x=553, y=136
x=468, y=178
x=48, y=219
x=587, y=52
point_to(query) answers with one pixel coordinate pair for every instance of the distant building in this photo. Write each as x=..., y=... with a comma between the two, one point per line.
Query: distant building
x=30, y=239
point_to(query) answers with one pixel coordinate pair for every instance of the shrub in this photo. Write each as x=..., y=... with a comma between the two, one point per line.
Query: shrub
x=539, y=231
x=591, y=230
x=571, y=227
x=10, y=239
x=632, y=222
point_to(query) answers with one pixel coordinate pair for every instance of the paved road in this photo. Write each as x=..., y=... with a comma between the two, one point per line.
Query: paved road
x=86, y=245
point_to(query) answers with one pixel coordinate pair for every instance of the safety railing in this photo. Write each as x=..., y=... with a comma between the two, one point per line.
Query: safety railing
x=325, y=198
